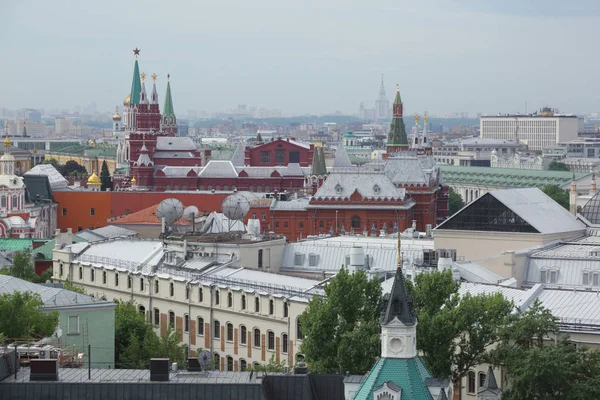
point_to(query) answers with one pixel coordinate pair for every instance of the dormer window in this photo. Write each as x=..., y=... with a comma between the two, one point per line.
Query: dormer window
x=338, y=188
x=376, y=189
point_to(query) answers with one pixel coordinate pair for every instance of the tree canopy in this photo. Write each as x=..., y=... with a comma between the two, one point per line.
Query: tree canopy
x=23, y=268
x=341, y=329
x=559, y=195
x=23, y=318
x=70, y=168
x=105, y=177
x=136, y=342
x=455, y=202
x=558, y=166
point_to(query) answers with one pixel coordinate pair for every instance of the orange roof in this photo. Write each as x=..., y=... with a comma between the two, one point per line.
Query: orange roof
x=147, y=216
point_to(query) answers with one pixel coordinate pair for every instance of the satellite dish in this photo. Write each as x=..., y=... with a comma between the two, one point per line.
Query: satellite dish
x=205, y=358
x=190, y=213
x=236, y=206
x=170, y=210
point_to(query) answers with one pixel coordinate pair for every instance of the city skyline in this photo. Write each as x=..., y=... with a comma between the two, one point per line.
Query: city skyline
x=459, y=56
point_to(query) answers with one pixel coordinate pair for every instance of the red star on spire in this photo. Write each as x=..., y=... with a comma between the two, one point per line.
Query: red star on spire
x=168, y=76
x=136, y=52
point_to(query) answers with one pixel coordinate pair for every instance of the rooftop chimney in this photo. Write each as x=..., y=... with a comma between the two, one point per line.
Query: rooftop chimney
x=301, y=368
x=44, y=370
x=159, y=369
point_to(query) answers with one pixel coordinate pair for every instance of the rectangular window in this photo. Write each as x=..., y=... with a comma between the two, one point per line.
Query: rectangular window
x=116, y=279
x=294, y=157
x=186, y=323
x=156, y=317
x=264, y=216
x=586, y=279
x=595, y=280
x=298, y=259
x=280, y=157
x=285, y=224
x=553, y=276
x=4, y=202
x=265, y=157
x=92, y=211
x=284, y=344
x=73, y=325
x=64, y=212
x=312, y=260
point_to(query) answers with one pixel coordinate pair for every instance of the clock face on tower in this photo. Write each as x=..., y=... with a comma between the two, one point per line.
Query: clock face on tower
x=396, y=345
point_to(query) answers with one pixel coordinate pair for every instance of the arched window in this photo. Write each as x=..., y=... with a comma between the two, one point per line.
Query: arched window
x=229, y=363
x=129, y=282
x=200, y=325
x=141, y=284
x=256, y=337
x=243, y=302
x=104, y=277
x=285, y=309
x=256, y=304
x=243, y=365
x=217, y=297
x=356, y=222
x=482, y=377
x=142, y=309
x=271, y=307
x=171, y=289
x=15, y=201
x=271, y=340
x=260, y=258
x=156, y=317
x=92, y=275
x=187, y=292
x=200, y=295
x=299, y=335
x=284, y=343
x=80, y=273
x=471, y=382
x=229, y=299
x=116, y=279
x=171, y=319
x=243, y=335
x=217, y=329
x=3, y=202
x=230, y=332
x=156, y=287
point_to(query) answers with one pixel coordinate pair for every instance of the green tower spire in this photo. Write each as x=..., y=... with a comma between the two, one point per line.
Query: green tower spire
x=397, y=138
x=136, y=84
x=168, y=108
x=24, y=128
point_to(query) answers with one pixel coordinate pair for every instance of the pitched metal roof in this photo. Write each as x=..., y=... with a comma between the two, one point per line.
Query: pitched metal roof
x=238, y=159
x=15, y=244
x=52, y=298
x=399, y=303
x=57, y=181
x=219, y=169
x=369, y=184
x=341, y=159
x=170, y=143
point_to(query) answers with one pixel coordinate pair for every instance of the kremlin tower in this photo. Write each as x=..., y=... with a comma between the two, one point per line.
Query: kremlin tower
x=397, y=139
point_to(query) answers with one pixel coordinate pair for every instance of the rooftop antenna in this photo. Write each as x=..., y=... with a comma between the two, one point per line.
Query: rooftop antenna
x=191, y=213
x=205, y=358
x=169, y=211
x=235, y=207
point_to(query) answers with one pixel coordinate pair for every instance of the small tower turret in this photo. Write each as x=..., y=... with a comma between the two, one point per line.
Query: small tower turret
x=168, y=122
x=116, y=121
x=397, y=140
x=593, y=189
x=573, y=196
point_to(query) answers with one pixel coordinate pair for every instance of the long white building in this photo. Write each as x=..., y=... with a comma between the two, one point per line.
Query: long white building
x=538, y=131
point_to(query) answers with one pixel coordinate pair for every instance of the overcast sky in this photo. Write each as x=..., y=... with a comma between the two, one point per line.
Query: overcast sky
x=308, y=56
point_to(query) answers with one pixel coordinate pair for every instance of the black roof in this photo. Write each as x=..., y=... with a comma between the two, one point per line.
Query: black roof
x=37, y=188
x=399, y=303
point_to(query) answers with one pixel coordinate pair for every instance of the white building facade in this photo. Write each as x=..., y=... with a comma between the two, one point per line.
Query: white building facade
x=538, y=131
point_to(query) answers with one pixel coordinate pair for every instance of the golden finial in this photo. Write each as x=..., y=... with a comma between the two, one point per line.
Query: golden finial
x=143, y=75
x=399, y=251
x=417, y=119
x=154, y=76
x=425, y=118
x=7, y=140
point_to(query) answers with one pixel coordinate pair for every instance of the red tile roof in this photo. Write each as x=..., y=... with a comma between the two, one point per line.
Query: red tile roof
x=147, y=216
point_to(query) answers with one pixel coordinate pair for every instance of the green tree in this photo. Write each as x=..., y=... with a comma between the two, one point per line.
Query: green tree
x=136, y=342
x=22, y=267
x=561, y=372
x=73, y=288
x=341, y=329
x=272, y=366
x=454, y=332
x=558, y=166
x=455, y=202
x=54, y=162
x=22, y=316
x=72, y=168
x=105, y=177
x=559, y=195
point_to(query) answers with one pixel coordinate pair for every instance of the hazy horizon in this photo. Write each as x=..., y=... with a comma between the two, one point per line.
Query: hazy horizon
x=312, y=57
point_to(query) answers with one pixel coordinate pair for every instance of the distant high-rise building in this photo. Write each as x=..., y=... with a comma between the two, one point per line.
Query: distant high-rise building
x=541, y=130
x=382, y=104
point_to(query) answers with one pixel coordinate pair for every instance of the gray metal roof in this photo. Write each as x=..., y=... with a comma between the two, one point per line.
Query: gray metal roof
x=57, y=181
x=219, y=169
x=341, y=159
x=406, y=169
x=175, y=143
x=538, y=210
x=106, y=232
x=238, y=159
x=53, y=298
x=369, y=184
x=333, y=252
